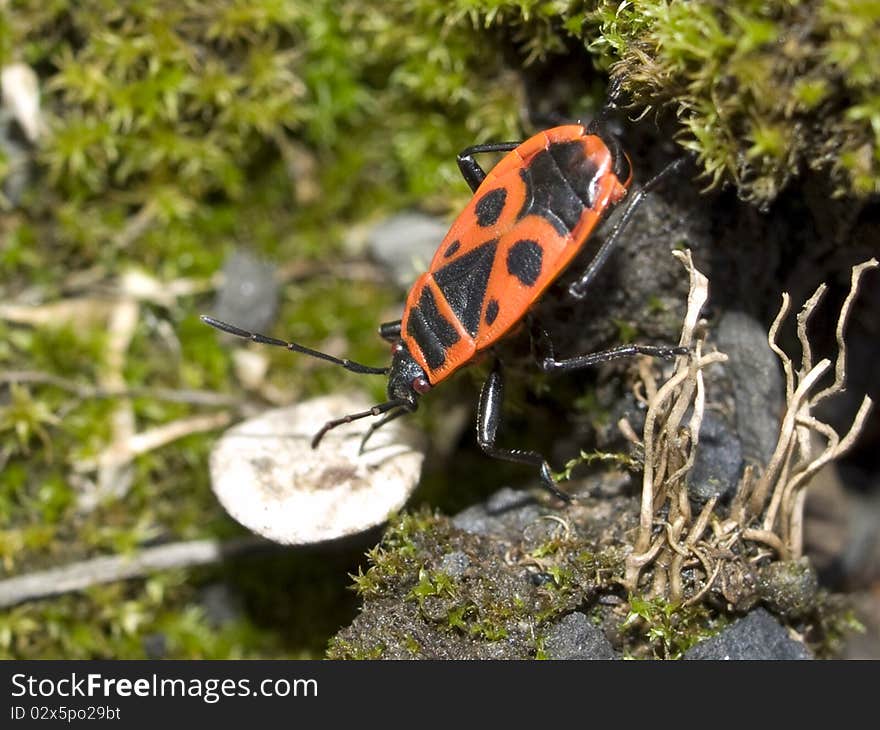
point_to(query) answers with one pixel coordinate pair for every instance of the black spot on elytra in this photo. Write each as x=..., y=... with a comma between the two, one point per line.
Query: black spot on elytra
x=559, y=185
x=432, y=332
x=491, y=311
x=464, y=281
x=451, y=249
x=489, y=207
x=524, y=260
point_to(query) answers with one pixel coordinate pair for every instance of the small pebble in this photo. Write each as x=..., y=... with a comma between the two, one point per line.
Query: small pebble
x=405, y=244
x=575, y=637
x=757, y=635
x=21, y=97
x=249, y=295
x=757, y=383
x=719, y=460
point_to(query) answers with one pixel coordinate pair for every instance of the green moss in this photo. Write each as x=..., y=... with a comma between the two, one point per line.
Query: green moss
x=589, y=458
x=178, y=132
x=668, y=628
x=407, y=591
x=342, y=649
x=626, y=331
x=835, y=622
x=762, y=89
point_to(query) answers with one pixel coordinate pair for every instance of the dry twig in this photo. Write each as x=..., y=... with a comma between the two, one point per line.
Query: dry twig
x=82, y=575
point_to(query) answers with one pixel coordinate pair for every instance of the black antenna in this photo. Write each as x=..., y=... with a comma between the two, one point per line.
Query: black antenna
x=374, y=411
x=351, y=365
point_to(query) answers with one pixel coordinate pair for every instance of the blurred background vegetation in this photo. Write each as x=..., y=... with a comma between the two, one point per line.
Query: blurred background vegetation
x=172, y=134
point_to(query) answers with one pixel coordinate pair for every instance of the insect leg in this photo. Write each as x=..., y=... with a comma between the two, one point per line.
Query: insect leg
x=376, y=410
x=552, y=365
x=378, y=424
x=390, y=331
x=470, y=168
x=488, y=420
x=539, y=341
x=598, y=124
x=579, y=287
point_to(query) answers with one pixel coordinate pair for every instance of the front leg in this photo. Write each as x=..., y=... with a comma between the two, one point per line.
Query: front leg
x=470, y=168
x=488, y=421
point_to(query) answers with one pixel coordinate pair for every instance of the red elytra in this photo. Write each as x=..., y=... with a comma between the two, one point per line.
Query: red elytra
x=529, y=218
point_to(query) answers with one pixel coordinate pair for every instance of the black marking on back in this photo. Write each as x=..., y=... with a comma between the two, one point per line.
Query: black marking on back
x=489, y=207
x=451, y=249
x=559, y=185
x=491, y=311
x=431, y=331
x=464, y=281
x=524, y=260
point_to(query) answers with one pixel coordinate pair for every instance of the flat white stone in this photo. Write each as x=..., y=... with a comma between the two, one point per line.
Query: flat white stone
x=267, y=476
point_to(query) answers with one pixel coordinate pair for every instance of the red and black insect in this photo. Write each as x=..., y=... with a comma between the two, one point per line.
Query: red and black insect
x=529, y=217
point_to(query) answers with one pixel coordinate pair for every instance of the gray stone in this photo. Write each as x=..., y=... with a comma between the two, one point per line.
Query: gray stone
x=405, y=244
x=155, y=646
x=719, y=460
x=755, y=636
x=220, y=604
x=249, y=295
x=574, y=637
x=758, y=384
x=505, y=514
x=455, y=564
x=18, y=156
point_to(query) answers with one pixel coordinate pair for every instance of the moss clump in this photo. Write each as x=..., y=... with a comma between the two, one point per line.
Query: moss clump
x=668, y=628
x=790, y=588
x=435, y=591
x=176, y=132
x=763, y=89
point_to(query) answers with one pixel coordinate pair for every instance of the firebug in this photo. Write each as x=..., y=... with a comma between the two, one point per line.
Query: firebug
x=528, y=219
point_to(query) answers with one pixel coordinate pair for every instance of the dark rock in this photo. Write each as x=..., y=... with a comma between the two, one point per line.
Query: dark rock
x=505, y=514
x=155, y=646
x=541, y=578
x=755, y=636
x=757, y=384
x=405, y=244
x=249, y=294
x=719, y=460
x=220, y=604
x=789, y=587
x=860, y=562
x=574, y=637
x=18, y=157
x=608, y=435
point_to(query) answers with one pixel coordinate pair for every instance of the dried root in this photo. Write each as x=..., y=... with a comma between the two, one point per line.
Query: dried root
x=670, y=450
x=776, y=499
x=717, y=549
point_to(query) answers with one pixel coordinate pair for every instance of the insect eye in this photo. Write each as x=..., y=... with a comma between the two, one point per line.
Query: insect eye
x=420, y=385
x=396, y=347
